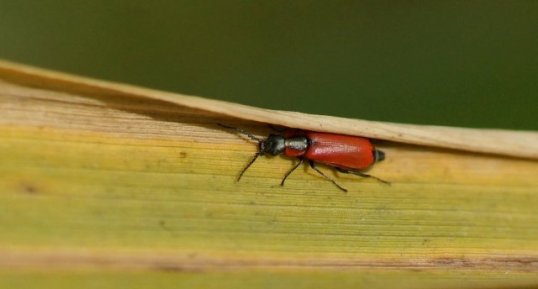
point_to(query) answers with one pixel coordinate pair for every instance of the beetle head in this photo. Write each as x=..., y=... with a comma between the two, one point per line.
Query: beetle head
x=273, y=145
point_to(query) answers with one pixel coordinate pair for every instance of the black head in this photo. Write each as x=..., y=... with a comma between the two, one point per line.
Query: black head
x=273, y=144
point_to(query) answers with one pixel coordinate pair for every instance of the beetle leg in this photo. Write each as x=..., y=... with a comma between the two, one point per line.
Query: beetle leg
x=313, y=165
x=361, y=174
x=291, y=171
x=256, y=155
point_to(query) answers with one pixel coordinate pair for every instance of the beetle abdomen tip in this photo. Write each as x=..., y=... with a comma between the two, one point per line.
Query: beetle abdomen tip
x=379, y=155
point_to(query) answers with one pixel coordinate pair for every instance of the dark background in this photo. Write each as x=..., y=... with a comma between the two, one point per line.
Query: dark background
x=462, y=63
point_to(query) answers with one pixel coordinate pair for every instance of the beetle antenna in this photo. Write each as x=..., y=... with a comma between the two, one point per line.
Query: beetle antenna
x=251, y=136
x=256, y=155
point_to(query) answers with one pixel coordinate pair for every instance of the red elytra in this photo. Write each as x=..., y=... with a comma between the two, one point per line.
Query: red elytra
x=341, y=151
x=348, y=154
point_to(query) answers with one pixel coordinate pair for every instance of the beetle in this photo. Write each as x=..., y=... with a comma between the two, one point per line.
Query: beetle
x=347, y=154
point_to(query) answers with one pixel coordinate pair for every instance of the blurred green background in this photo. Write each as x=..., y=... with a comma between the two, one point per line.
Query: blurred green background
x=462, y=63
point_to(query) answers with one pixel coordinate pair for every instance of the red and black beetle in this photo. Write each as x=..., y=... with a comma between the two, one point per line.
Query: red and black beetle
x=347, y=154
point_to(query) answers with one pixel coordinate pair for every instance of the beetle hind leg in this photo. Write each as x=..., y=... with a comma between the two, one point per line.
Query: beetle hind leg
x=313, y=166
x=361, y=174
